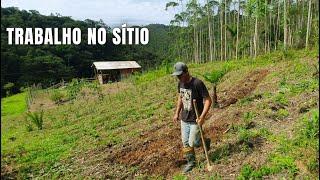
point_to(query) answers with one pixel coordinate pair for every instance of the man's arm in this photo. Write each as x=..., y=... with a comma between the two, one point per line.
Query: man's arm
x=207, y=104
x=179, y=107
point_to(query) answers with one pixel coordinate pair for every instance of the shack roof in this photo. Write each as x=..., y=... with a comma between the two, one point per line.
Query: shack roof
x=108, y=65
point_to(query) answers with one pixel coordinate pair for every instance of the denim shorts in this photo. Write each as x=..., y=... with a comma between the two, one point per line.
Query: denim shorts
x=190, y=134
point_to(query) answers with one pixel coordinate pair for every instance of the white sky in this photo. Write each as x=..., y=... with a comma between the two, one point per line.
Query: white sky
x=112, y=12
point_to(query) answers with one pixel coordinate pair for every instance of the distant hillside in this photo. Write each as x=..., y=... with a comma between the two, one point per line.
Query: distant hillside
x=159, y=38
x=23, y=65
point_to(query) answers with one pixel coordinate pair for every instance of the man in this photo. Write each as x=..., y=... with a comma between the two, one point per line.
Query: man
x=190, y=88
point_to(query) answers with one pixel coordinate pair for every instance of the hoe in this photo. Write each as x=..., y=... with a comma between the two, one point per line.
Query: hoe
x=209, y=167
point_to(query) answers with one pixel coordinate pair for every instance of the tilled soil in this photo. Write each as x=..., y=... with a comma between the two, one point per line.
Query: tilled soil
x=243, y=88
x=158, y=152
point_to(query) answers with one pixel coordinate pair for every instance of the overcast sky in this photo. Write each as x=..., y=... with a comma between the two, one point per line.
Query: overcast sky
x=112, y=12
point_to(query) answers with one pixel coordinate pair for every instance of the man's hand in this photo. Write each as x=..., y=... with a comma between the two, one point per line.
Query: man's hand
x=200, y=120
x=176, y=118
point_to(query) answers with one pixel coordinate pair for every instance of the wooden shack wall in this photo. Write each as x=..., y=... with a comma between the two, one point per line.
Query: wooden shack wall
x=124, y=73
x=127, y=72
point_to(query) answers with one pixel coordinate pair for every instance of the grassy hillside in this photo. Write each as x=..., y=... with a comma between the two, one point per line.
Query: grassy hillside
x=267, y=125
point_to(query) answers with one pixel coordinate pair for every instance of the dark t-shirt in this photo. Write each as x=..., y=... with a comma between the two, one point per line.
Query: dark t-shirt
x=195, y=89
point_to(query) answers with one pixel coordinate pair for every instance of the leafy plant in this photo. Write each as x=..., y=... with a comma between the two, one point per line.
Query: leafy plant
x=36, y=118
x=56, y=96
x=281, y=99
x=214, y=77
x=282, y=113
x=247, y=117
x=245, y=172
x=74, y=88
x=29, y=127
x=277, y=164
x=310, y=128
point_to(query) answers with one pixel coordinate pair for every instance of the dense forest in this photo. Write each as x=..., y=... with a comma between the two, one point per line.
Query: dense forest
x=211, y=30
x=24, y=65
x=201, y=31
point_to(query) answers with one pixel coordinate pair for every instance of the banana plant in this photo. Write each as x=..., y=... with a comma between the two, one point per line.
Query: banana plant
x=214, y=78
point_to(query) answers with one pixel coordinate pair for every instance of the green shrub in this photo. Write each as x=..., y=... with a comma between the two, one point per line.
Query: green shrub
x=305, y=86
x=246, y=135
x=220, y=152
x=214, y=76
x=245, y=172
x=73, y=88
x=310, y=127
x=29, y=127
x=282, y=113
x=248, y=116
x=281, y=99
x=36, y=118
x=56, y=96
x=284, y=162
x=277, y=164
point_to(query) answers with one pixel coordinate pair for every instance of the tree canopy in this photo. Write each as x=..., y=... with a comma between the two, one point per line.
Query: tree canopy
x=24, y=65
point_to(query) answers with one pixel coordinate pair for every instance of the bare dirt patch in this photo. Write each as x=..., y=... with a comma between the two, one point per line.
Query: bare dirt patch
x=243, y=88
x=158, y=152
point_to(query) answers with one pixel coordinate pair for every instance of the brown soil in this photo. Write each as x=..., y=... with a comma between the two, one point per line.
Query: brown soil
x=244, y=88
x=158, y=152
x=7, y=172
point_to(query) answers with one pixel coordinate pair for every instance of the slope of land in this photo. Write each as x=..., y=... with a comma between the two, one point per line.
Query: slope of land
x=266, y=126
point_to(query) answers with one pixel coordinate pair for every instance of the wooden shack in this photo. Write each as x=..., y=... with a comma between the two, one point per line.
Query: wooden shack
x=112, y=71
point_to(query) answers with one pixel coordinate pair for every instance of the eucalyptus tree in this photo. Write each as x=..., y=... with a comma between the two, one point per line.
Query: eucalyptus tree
x=238, y=19
x=208, y=8
x=232, y=28
x=221, y=7
x=309, y=23
x=285, y=26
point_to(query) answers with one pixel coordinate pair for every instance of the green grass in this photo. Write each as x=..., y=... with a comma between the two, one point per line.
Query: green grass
x=13, y=105
x=180, y=177
x=277, y=164
x=73, y=128
x=303, y=146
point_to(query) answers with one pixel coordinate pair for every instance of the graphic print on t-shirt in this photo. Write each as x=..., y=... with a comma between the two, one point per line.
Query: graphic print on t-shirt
x=185, y=95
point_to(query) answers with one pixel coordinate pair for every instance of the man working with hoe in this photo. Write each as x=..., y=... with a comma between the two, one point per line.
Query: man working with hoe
x=193, y=99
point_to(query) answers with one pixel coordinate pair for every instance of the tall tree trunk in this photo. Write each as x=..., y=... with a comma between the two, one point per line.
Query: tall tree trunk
x=213, y=39
x=309, y=24
x=209, y=29
x=302, y=15
x=200, y=45
x=277, y=26
x=195, y=43
x=221, y=32
x=285, y=26
x=225, y=29
x=237, y=41
x=265, y=27
x=214, y=96
x=197, y=33
x=255, y=42
x=270, y=27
